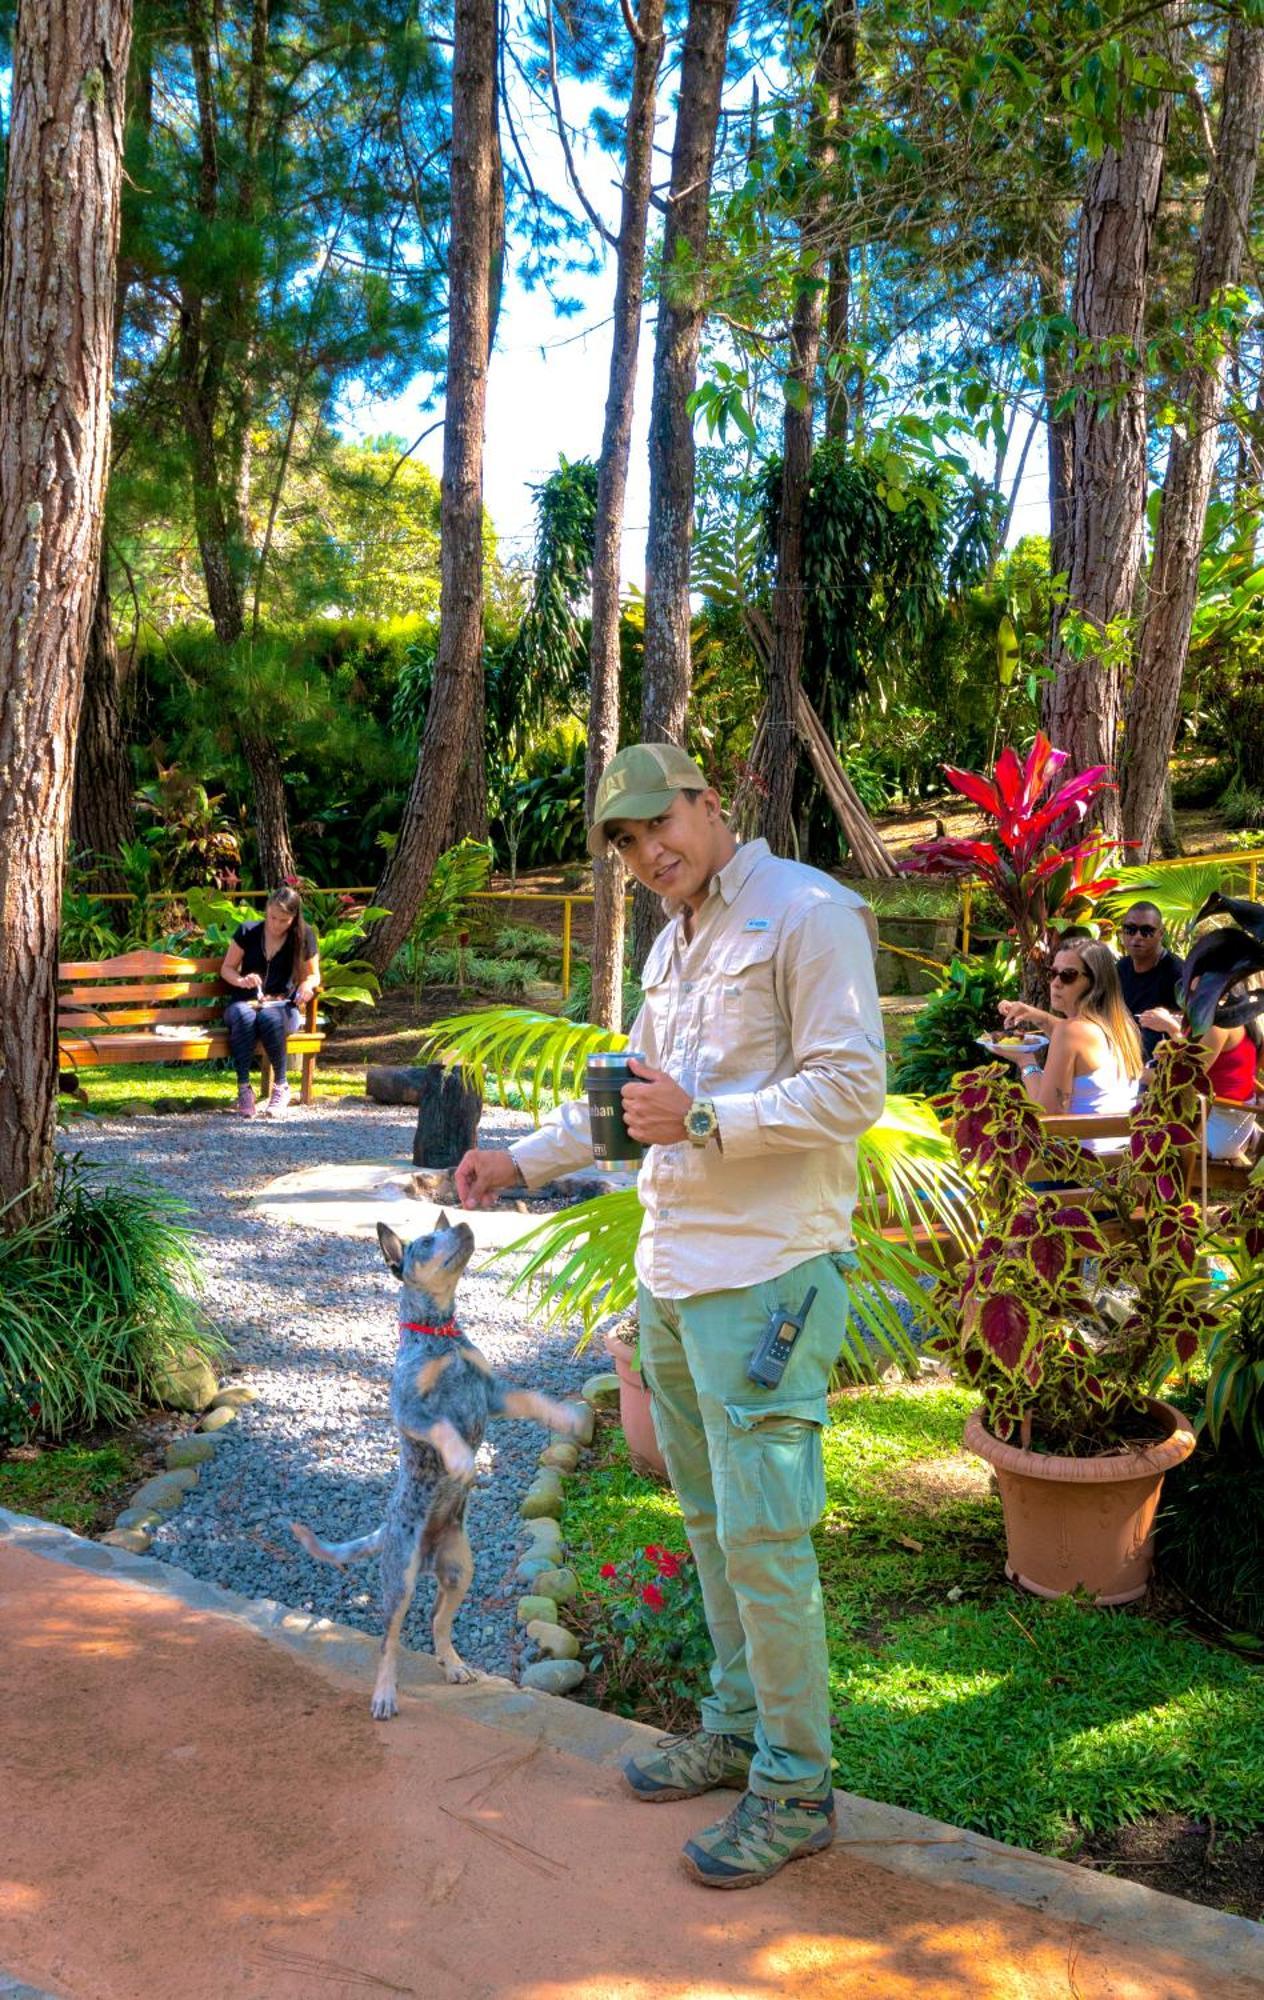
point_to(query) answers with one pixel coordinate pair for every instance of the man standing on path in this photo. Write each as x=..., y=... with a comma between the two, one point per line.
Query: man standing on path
x=764, y=1063
x=1149, y=973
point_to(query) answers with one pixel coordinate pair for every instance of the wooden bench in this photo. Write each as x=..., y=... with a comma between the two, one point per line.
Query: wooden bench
x=108, y=1009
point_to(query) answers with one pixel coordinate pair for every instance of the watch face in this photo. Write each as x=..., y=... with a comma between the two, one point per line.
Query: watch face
x=701, y=1121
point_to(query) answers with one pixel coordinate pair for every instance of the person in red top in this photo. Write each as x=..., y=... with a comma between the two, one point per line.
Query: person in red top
x=1236, y=1048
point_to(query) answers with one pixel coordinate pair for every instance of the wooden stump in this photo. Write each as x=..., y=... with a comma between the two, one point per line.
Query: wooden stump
x=448, y=1111
x=388, y=1085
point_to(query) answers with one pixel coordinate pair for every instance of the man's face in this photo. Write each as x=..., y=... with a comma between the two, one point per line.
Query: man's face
x=676, y=854
x=1141, y=935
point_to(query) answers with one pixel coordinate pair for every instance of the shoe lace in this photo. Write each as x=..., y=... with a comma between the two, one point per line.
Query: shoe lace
x=751, y=1814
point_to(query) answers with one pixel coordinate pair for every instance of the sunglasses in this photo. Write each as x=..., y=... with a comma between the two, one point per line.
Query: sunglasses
x=1065, y=975
x=1138, y=930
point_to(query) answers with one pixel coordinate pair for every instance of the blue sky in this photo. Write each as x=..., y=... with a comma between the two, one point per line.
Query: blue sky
x=546, y=391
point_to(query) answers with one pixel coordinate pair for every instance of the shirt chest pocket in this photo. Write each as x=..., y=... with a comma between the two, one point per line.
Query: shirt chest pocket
x=743, y=1025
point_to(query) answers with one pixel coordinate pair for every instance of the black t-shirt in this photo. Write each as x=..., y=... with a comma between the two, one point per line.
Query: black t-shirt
x=278, y=973
x=1159, y=987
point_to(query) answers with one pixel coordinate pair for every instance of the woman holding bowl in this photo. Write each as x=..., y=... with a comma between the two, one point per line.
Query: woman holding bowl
x=1093, y=1064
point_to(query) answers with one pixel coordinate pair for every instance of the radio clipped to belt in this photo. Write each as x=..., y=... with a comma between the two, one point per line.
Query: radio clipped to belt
x=767, y=1364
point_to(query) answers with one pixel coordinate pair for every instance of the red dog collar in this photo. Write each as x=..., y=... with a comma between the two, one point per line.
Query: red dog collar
x=449, y=1327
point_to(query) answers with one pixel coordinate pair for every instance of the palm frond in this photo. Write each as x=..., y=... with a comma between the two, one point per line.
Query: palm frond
x=1177, y=892
x=540, y=1054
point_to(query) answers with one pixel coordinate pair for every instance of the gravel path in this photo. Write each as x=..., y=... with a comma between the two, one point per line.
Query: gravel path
x=311, y=1320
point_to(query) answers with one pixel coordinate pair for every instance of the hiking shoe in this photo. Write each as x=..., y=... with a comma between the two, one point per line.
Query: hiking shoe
x=758, y=1837
x=683, y=1767
x=278, y=1099
x=245, y=1106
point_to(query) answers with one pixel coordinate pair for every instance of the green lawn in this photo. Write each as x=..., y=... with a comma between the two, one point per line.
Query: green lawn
x=954, y=1694
x=79, y=1486
x=198, y=1086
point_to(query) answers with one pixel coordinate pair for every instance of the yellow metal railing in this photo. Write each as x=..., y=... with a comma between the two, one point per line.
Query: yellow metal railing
x=1249, y=859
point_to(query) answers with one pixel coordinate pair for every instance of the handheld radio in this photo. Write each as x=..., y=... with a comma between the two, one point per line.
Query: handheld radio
x=767, y=1364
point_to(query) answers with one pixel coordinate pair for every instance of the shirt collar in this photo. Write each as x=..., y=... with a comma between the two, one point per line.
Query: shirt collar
x=735, y=874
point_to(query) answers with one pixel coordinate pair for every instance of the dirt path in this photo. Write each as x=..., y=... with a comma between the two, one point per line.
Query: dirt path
x=190, y=1810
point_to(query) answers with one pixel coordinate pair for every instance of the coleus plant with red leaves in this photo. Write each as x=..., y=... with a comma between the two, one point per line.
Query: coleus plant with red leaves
x=1058, y=1361
x=1032, y=863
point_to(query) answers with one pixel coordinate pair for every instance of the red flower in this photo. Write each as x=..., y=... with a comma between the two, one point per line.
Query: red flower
x=653, y=1596
x=608, y=1570
x=668, y=1564
x=653, y=1552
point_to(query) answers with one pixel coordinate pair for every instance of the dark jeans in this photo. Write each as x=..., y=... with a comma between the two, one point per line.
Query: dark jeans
x=268, y=1025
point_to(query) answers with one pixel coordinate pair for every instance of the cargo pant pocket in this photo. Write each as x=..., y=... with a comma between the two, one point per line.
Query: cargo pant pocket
x=772, y=1487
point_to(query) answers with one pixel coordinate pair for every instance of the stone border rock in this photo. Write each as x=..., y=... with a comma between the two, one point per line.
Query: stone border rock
x=163, y=1492
x=549, y=1584
x=907, y=1843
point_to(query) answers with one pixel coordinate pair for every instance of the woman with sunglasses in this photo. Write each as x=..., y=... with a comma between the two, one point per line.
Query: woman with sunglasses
x=1093, y=1062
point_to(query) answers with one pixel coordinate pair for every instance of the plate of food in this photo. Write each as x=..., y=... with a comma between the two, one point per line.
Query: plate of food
x=1024, y=1044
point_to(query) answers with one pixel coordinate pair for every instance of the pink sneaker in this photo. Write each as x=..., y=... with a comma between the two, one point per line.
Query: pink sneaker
x=245, y=1106
x=278, y=1099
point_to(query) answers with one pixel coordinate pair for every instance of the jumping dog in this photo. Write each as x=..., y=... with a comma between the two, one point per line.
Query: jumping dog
x=442, y=1393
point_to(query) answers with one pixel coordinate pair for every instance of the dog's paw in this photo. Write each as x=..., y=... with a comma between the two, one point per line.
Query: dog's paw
x=384, y=1705
x=457, y=1674
x=570, y=1419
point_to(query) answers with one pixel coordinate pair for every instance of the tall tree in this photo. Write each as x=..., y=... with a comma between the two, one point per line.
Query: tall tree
x=456, y=693
x=1108, y=481
x=609, y=905
x=779, y=737
x=102, y=817
x=60, y=240
x=1154, y=700
x=681, y=314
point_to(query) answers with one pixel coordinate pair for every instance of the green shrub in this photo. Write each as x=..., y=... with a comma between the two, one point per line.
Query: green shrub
x=579, y=999
x=1199, y=782
x=943, y=1038
x=97, y=1301
x=1211, y=1534
x=1243, y=806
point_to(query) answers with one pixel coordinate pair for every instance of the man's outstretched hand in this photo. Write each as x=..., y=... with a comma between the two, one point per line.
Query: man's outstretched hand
x=482, y=1175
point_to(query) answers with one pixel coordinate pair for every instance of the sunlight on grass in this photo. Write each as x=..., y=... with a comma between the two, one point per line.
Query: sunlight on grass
x=954, y=1694
x=212, y=1085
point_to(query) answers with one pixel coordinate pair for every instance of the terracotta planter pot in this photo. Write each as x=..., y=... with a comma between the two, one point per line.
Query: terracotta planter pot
x=1082, y=1523
x=634, y=1410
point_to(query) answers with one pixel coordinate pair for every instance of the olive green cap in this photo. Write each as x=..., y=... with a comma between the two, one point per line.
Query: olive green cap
x=640, y=783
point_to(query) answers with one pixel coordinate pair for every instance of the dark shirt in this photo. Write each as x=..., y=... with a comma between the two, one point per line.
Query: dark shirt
x=1159, y=987
x=278, y=973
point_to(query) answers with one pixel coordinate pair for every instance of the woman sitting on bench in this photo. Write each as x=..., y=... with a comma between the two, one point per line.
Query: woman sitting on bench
x=277, y=963
x=1094, y=1062
x=1236, y=1043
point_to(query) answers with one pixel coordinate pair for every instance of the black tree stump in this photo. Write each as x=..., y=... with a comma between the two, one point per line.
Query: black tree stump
x=448, y=1111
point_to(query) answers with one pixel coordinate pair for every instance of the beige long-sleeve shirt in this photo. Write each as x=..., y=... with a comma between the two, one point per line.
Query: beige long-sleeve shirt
x=771, y=1010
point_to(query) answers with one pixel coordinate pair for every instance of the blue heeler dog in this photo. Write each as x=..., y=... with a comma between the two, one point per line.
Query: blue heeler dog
x=442, y=1393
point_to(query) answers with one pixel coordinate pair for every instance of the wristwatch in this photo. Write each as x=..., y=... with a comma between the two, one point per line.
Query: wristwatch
x=701, y=1121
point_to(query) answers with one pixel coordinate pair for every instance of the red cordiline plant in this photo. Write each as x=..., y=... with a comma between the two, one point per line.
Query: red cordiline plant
x=1042, y=877
x=1063, y=1355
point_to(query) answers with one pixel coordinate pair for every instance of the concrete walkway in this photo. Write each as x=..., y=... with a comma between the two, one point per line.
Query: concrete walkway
x=195, y=1803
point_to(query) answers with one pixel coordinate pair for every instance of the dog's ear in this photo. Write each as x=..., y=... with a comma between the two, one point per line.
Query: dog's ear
x=442, y=1222
x=392, y=1249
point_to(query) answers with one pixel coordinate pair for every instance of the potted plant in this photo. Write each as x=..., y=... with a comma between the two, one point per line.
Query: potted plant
x=1084, y=1289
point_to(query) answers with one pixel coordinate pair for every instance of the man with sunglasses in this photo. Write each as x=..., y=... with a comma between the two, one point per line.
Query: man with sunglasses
x=1149, y=973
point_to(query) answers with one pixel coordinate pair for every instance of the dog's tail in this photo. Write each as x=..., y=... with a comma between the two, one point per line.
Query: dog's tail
x=339, y=1553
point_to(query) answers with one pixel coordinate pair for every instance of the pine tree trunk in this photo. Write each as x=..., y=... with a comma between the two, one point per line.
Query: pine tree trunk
x=609, y=904
x=839, y=76
x=1155, y=698
x=60, y=241
x=456, y=693
x=667, y=671
x=102, y=818
x=779, y=761
x=1107, y=527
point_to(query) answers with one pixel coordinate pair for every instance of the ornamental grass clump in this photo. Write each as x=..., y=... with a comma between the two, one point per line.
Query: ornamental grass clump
x=1078, y=1299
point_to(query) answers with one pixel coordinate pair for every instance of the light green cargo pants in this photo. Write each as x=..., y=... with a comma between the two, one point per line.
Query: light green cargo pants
x=747, y=1469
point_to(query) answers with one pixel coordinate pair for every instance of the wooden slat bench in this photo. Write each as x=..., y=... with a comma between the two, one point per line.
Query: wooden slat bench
x=107, y=1010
